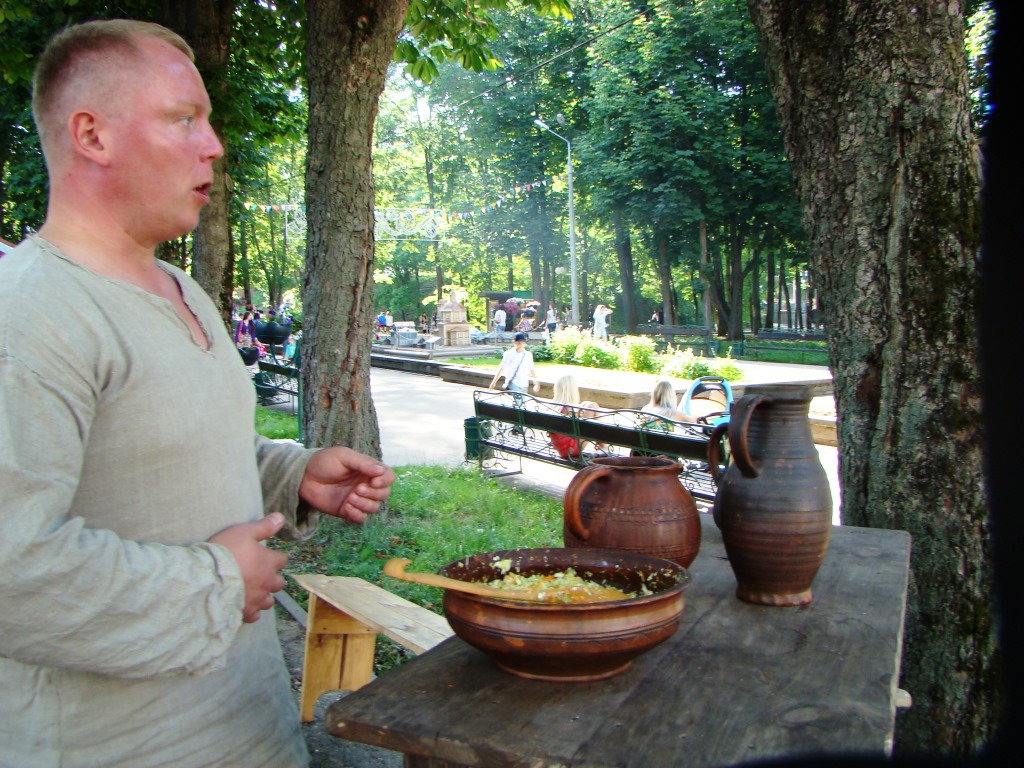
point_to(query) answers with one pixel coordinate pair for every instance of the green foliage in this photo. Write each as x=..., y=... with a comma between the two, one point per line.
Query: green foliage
x=597, y=353
x=683, y=364
x=563, y=345
x=727, y=369
x=638, y=353
x=542, y=353
x=458, y=31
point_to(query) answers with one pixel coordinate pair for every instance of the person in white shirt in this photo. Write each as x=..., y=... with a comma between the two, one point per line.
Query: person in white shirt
x=552, y=318
x=499, y=319
x=601, y=314
x=517, y=368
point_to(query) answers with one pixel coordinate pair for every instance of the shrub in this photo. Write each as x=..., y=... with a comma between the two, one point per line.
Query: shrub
x=542, y=353
x=597, y=353
x=563, y=345
x=683, y=364
x=638, y=354
x=728, y=370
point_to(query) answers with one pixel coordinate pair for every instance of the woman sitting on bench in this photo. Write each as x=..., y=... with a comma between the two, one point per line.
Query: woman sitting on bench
x=663, y=403
x=567, y=396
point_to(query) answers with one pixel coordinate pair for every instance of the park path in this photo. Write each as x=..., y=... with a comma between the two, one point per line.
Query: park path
x=421, y=421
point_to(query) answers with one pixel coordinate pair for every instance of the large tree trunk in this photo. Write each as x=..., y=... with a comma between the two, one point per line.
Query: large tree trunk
x=206, y=25
x=349, y=46
x=624, y=253
x=665, y=280
x=873, y=102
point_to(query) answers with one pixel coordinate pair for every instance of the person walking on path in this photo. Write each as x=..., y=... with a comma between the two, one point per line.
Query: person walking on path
x=517, y=367
x=135, y=621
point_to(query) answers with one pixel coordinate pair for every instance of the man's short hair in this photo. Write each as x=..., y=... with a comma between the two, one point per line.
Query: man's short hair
x=70, y=52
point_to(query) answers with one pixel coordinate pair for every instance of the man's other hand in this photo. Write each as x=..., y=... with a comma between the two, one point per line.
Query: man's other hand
x=259, y=566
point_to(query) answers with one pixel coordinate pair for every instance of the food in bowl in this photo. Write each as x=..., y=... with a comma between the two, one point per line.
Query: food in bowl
x=561, y=587
x=568, y=641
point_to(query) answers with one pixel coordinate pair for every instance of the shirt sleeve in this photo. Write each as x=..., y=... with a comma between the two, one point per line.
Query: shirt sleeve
x=84, y=598
x=282, y=465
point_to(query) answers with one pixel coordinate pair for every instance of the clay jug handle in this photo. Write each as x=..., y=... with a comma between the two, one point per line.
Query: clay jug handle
x=739, y=425
x=571, y=503
x=713, y=459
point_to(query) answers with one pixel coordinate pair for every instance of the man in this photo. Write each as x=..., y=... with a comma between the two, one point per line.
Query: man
x=499, y=319
x=134, y=621
x=517, y=368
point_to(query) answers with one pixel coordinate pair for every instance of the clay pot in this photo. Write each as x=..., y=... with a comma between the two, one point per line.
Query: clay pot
x=773, y=505
x=635, y=504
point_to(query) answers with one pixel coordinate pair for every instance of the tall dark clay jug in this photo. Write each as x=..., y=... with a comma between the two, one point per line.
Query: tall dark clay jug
x=636, y=504
x=773, y=506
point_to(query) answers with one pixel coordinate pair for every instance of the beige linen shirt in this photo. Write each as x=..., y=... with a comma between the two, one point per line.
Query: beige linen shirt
x=124, y=445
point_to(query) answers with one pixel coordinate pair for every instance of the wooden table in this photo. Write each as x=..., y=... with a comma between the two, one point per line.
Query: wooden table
x=736, y=683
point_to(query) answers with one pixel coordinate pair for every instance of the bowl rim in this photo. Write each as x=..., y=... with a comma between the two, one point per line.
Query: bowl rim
x=656, y=562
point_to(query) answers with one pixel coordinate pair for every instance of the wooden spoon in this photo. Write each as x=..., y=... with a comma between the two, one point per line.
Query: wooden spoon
x=395, y=568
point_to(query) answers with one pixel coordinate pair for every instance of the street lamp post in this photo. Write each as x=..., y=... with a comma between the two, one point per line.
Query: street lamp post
x=574, y=281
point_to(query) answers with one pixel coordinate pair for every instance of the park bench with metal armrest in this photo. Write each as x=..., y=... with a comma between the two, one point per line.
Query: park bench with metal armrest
x=697, y=337
x=511, y=426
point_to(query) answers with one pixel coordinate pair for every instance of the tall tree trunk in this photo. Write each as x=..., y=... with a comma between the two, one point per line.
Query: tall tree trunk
x=665, y=279
x=428, y=171
x=769, y=302
x=206, y=25
x=348, y=48
x=755, y=296
x=705, y=273
x=735, y=319
x=624, y=252
x=784, y=295
x=873, y=101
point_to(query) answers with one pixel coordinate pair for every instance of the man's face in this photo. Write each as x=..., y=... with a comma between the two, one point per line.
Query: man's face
x=519, y=345
x=162, y=146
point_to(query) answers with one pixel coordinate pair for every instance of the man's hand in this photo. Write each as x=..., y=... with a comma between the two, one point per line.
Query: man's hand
x=346, y=484
x=259, y=565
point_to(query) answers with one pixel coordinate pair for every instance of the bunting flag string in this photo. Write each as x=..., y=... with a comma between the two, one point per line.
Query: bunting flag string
x=393, y=216
x=274, y=207
x=507, y=198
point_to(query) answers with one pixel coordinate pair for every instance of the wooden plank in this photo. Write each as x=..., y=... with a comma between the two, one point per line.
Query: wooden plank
x=403, y=621
x=356, y=662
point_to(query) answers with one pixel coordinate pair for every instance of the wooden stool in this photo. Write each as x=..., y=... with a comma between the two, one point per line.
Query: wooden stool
x=345, y=616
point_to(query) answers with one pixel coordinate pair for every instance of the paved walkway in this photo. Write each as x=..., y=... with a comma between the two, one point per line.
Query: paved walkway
x=422, y=422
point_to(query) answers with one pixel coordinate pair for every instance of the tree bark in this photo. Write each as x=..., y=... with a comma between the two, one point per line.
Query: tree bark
x=665, y=279
x=624, y=253
x=348, y=48
x=207, y=27
x=873, y=101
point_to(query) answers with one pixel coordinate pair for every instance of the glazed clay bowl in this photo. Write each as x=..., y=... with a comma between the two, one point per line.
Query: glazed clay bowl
x=568, y=642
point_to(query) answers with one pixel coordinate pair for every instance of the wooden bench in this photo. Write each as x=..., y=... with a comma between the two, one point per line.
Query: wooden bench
x=791, y=336
x=517, y=425
x=697, y=337
x=345, y=616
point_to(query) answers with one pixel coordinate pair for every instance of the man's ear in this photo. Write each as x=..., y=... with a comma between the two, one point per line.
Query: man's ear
x=86, y=136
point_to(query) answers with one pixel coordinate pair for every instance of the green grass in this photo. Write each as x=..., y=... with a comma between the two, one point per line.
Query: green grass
x=276, y=425
x=435, y=515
